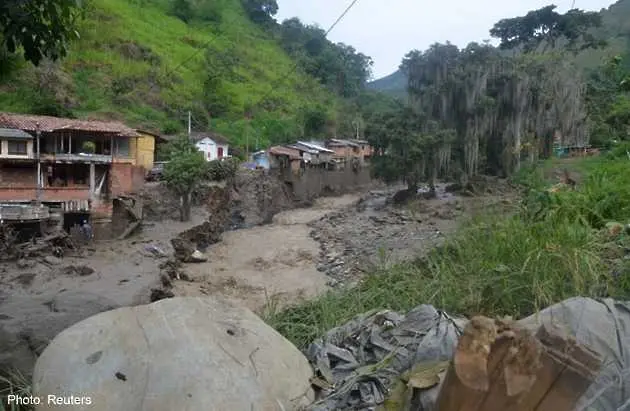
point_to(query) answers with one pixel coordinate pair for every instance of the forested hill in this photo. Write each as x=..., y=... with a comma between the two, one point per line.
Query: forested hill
x=615, y=29
x=148, y=62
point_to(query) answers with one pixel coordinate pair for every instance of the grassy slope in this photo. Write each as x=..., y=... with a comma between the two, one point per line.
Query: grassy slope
x=615, y=28
x=506, y=265
x=125, y=48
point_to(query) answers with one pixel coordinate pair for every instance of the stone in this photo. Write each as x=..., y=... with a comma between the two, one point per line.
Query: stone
x=178, y=353
x=25, y=263
x=52, y=260
x=197, y=257
x=183, y=248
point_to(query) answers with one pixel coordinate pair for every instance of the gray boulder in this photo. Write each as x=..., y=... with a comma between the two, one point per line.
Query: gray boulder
x=28, y=324
x=179, y=353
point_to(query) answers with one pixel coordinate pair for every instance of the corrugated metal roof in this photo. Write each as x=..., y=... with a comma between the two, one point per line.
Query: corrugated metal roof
x=343, y=143
x=29, y=122
x=15, y=133
x=315, y=147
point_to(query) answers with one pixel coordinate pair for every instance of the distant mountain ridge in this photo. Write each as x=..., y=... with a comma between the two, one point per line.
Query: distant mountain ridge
x=615, y=28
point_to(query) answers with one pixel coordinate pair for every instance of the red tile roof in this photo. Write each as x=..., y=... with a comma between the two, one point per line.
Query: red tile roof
x=29, y=122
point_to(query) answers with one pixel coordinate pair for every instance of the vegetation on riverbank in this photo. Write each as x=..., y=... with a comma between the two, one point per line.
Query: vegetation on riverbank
x=551, y=247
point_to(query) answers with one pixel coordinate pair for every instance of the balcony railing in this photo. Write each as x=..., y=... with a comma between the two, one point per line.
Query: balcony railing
x=82, y=157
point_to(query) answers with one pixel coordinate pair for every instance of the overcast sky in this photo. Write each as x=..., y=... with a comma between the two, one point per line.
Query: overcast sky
x=387, y=30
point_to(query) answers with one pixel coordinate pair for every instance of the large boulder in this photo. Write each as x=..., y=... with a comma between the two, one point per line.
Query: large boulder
x=179, y=353
x=29, y=323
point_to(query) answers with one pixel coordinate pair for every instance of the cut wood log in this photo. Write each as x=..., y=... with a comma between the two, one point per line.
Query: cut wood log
x=498, y=366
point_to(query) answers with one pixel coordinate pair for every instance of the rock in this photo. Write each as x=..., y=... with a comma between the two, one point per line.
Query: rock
x=183, y=248
x=25, y=263
x=30, y=322
x=80, y=270
x=52, y=260
x=178, y=353
x=158, y=294
x=197, y=257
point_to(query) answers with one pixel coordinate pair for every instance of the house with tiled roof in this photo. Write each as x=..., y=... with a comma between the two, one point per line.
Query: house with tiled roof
x=79, y=164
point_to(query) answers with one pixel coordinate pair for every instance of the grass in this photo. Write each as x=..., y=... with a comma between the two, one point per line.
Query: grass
x=16, y=384
x=512, y=265
x=136, y=62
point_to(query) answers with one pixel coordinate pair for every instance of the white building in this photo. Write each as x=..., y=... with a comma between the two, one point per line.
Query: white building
x=213, y=145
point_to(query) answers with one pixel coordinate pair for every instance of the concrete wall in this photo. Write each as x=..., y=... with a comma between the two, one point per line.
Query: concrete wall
x=311, y=183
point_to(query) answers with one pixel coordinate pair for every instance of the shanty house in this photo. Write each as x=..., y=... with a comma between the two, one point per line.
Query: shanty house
x=366, y=151
x=284, y=158
x=313, y=153
x=261, y=159
x=76, y=164
x=344, y=149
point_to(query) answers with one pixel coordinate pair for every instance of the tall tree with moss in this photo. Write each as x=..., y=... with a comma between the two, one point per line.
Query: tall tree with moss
x=184, y=170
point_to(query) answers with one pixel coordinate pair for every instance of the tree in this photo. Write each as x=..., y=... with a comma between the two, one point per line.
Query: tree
x=337, y=66
x=184, y=170
x=261, y=11
x=43, y=28
x=546, y=26
x=182, y=10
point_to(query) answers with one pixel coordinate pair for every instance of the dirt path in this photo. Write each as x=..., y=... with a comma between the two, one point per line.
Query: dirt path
x=275, y=261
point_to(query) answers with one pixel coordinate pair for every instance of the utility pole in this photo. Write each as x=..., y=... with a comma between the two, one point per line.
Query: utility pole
x=38, y=195
x=189, y=123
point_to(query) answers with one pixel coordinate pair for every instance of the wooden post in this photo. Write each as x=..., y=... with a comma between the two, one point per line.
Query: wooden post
x=39, y=166
x=498, y=366
x=92, y=181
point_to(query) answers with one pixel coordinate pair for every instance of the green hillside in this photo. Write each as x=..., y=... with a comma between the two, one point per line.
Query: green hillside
x=615, y=29
x=137, y=63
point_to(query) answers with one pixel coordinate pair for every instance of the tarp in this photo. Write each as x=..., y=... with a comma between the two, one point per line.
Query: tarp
x=359, y=363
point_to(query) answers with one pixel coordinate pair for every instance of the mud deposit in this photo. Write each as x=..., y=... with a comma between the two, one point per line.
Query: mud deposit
x=298, y=254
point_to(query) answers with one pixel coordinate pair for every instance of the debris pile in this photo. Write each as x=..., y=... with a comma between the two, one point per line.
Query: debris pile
x=572, y=354
x=372, y=233
x=357, y=363
x=52, y=244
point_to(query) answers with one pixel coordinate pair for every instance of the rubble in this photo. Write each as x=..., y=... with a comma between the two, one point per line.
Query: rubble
x=373, y=232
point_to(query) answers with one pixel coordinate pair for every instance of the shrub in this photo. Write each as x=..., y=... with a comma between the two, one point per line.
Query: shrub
x=219, y=170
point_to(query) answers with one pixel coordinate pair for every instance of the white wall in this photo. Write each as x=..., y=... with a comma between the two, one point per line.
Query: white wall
x=211, y=149
x=4, y=149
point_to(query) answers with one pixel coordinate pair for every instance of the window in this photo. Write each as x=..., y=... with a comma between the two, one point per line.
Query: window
x=17, y=147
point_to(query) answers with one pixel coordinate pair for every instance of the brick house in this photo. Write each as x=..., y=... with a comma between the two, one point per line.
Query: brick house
x=75, y=165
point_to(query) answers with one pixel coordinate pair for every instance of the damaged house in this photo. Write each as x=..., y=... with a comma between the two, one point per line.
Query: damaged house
x=75, y=168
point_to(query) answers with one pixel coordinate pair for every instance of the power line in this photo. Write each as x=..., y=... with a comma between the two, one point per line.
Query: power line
x=282, y=78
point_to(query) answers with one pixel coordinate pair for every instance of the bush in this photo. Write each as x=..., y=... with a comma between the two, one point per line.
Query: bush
x=219, y=170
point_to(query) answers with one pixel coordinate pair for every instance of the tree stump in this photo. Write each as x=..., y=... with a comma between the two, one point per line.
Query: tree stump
x=498, y=366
